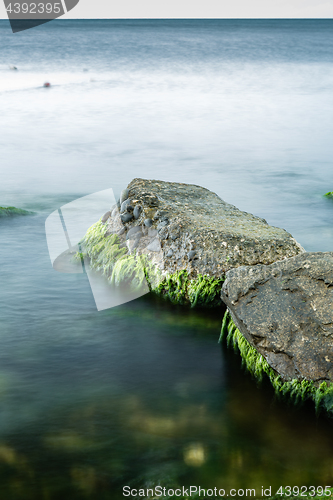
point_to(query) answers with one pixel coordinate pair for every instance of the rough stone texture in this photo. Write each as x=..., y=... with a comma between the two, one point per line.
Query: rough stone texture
x=285, y=310
x=198, y=232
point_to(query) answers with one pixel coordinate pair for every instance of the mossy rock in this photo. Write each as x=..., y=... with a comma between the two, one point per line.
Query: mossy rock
x=201, y=233
x=107, y=255
x=296, y=390
x=285, y=311
x=183, y=239
x=329, y=194
x=204, y=291
x=13, y=211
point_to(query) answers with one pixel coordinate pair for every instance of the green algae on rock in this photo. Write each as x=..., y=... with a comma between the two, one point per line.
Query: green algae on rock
x=294, y=389
x=284, y=311
x=204, y=291
x=183, y=238
x=108, y=255
x=329, y=194
x=12, y=211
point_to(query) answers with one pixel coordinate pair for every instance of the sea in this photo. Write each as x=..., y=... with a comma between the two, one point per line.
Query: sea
x=142, y=394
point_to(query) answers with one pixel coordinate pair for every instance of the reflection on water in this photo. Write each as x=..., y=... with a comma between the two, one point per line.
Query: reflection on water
x=204, y=435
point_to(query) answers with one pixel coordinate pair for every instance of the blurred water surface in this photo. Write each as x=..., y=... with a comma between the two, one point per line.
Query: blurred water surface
x=142, y=394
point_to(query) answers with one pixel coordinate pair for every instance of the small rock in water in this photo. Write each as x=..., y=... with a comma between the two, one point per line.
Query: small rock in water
x=170, y=253
x=114, y=212
x=148, y=222
x=124, y=195
x=121, y=231
x=124, y=205
x=105, y=217
x=126, y=217
x=191, y=255
x=137, y=211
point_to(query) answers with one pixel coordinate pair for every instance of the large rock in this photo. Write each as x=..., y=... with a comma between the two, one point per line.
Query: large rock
x=188, y=227
x=285, y=311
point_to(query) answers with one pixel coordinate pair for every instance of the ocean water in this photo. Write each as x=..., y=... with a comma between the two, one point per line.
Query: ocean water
x=142, y=394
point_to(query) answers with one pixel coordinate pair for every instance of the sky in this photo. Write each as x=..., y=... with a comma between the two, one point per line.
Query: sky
x=136, y=9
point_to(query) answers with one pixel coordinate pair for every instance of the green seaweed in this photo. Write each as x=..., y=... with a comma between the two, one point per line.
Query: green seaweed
x=329, y=194
x=102, y=249
x=174, y=287
x=204, y=291
x=296, y=390
x=152, y=272
x=12, y=211
x=129, y=271
x=78, y=257
x=107, y=256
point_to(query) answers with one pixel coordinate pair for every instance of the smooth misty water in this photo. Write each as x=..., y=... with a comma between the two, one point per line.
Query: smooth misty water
x=143, y=394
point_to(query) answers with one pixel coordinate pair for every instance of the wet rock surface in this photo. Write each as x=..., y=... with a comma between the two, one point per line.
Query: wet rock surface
x=285, y=311
x=196, y=230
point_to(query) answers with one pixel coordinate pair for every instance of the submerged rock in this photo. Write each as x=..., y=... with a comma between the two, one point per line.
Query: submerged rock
x=285, y=311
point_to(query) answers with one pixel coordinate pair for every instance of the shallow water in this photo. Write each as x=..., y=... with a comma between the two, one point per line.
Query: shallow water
x=143, y=394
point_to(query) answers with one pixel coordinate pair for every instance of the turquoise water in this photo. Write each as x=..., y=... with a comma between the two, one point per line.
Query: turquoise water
x=142, y=394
